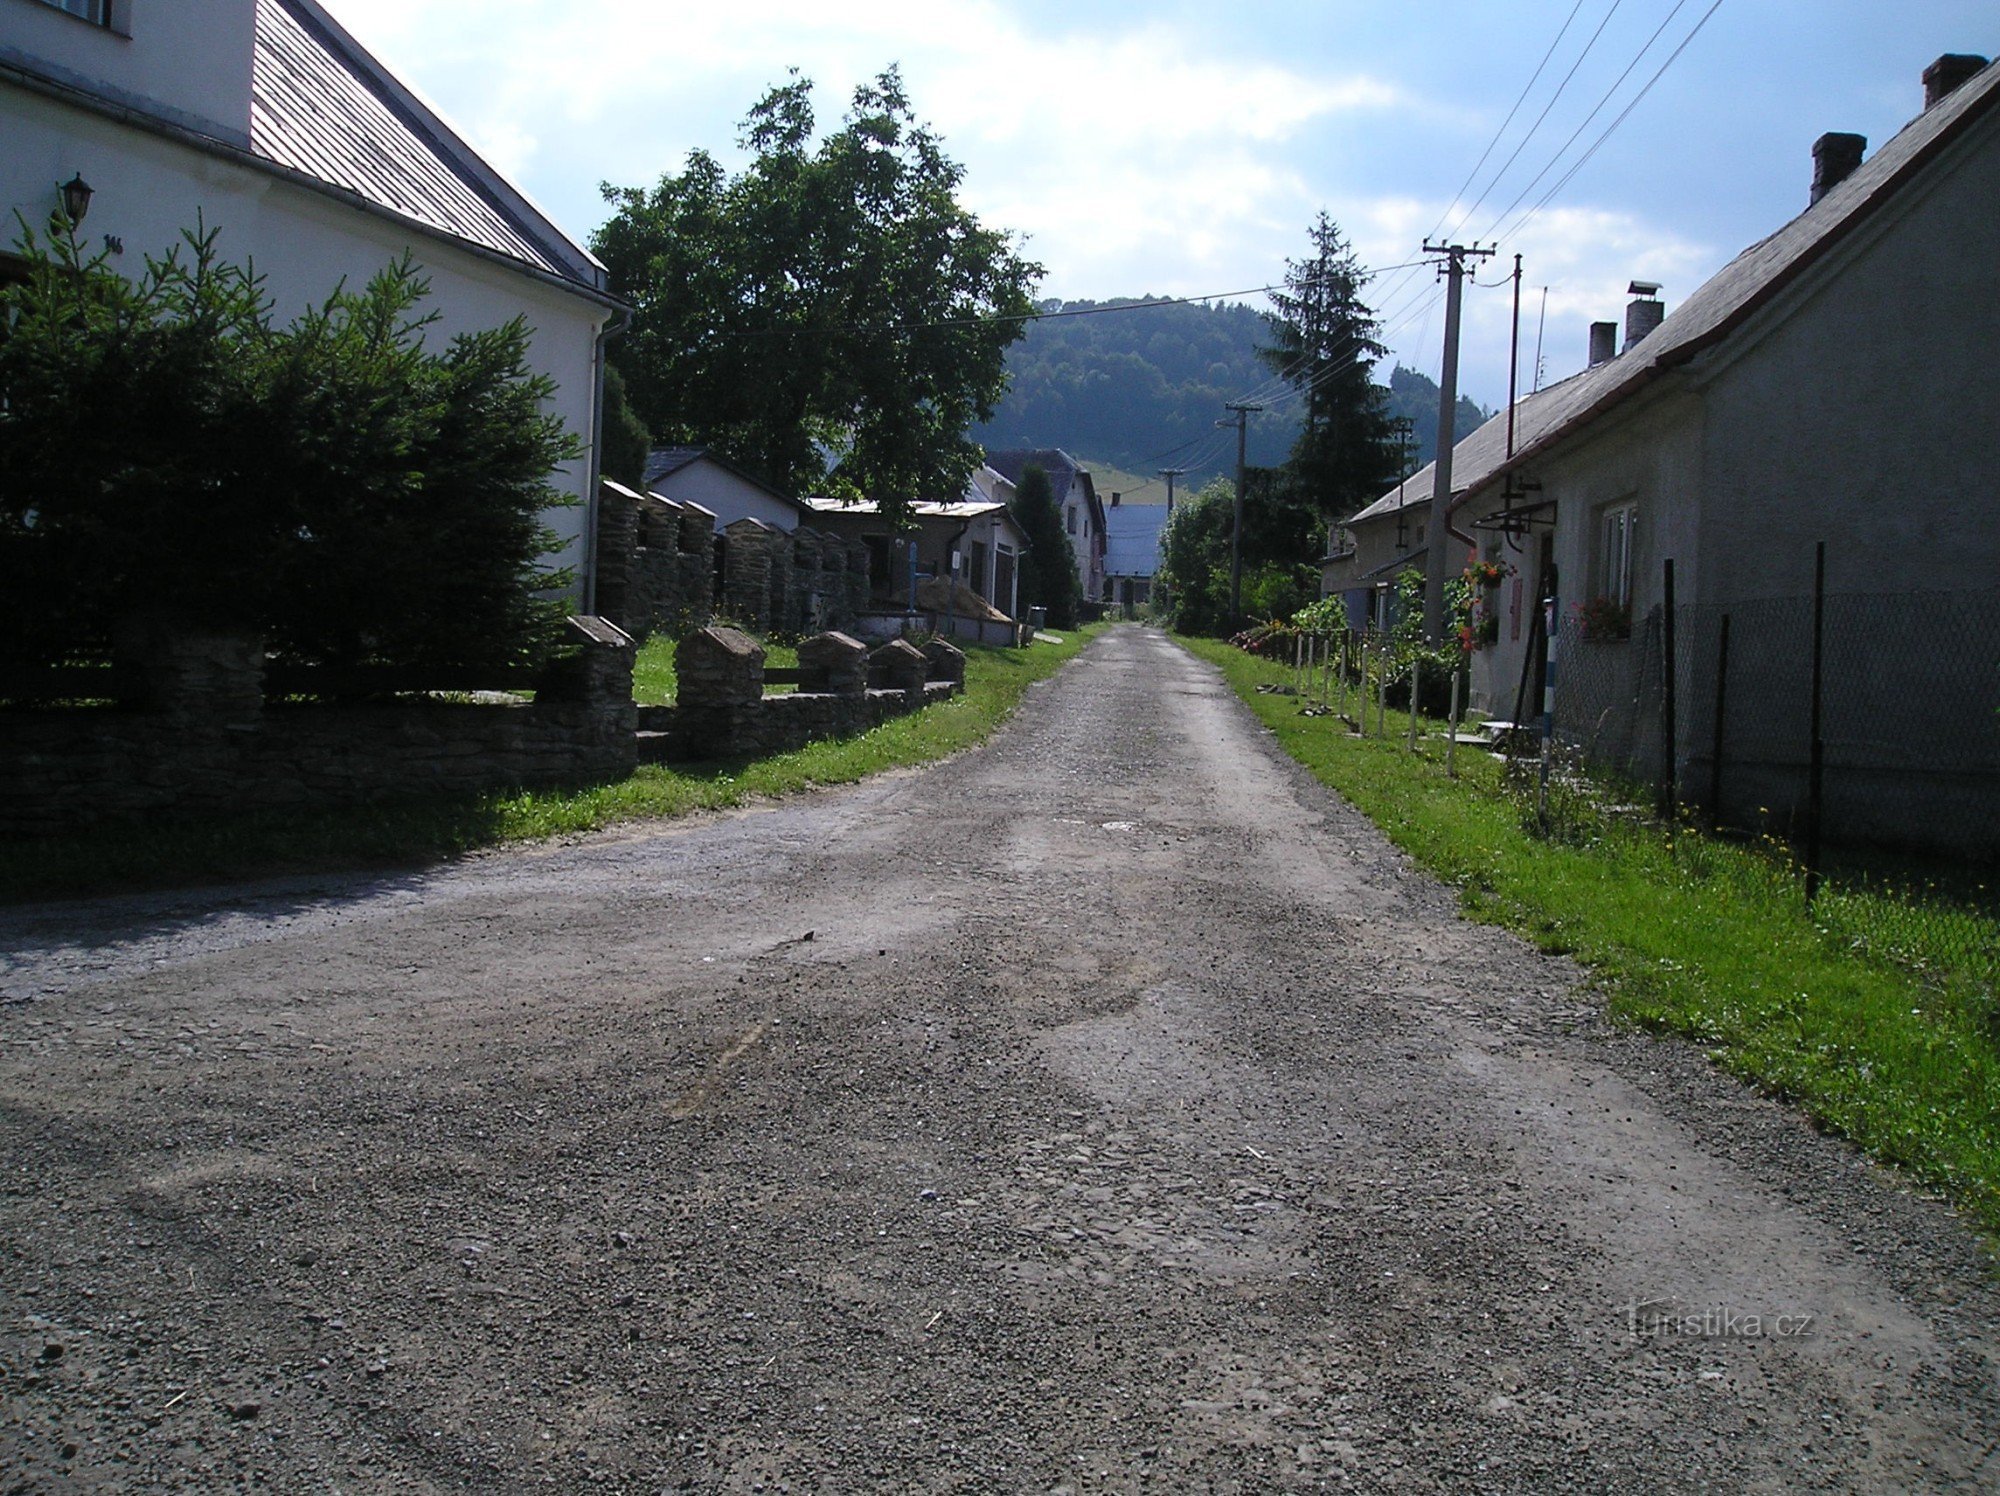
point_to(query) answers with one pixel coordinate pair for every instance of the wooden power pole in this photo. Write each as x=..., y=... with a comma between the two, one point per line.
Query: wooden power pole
x=1453, y=268
x=1236, y=523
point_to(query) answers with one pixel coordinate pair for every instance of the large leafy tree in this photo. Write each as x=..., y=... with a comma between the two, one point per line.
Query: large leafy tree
x=1281, y=541
x=1048, y=571
x=1324, y=344
x=831, y=316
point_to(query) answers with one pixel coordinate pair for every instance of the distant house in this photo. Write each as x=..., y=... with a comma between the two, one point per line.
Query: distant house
x=1836, y=382
x=266, y=120
x=696, y=475
x=1076, y=497
x=1132, y=551
x=973, y=542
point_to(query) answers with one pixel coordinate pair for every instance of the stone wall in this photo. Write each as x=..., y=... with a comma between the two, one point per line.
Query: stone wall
x=722, y=711
x=207, y=744
x=653, y=578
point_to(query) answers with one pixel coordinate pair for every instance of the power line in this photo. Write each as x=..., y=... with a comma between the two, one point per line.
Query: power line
x=1596, y=109
x=1588, y=47
x=1609, y=129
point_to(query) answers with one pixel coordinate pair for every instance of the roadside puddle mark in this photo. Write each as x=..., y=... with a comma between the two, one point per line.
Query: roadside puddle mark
x=697, y=1099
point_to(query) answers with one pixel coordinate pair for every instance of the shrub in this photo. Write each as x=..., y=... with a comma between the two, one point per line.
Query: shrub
x=335, y=485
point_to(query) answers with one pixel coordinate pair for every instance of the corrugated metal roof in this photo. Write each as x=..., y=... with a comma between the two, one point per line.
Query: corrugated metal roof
x=1132, y=539
x=1719, y=306
x=314, y=111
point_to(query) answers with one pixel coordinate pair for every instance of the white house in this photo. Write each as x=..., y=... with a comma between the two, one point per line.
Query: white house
x=1075, y=492
x=696, y=475
x=268, y=121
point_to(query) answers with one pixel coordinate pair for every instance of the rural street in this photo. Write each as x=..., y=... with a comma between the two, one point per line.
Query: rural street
x=1109, y=1107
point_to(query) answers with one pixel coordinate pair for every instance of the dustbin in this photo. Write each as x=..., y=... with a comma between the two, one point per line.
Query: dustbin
x=1038, y=619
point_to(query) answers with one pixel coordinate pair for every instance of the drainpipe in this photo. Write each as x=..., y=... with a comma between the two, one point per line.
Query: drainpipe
x=619, y=321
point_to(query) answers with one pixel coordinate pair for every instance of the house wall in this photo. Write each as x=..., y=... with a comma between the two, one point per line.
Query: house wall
x=149, y=188
x=188, y=60
x=1863, y=414
x=729, y=497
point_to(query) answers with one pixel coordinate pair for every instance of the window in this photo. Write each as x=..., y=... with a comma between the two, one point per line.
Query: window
x=97, y=12
x=1617, y=537
x=1069, y=518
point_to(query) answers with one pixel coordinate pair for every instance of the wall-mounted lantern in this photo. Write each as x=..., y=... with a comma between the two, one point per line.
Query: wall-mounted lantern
x=76, y=196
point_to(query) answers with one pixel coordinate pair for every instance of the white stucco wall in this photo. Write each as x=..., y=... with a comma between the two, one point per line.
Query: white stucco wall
x=730, y=498
x=188, y=60
x=149, y=188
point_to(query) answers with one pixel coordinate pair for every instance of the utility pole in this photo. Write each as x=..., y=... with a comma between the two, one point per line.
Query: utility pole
x=1170, y=474
x=1455, y=256
x=1236, y=524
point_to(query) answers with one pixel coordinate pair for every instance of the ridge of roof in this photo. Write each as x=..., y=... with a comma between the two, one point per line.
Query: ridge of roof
x=664, y=462
x=1717, y=308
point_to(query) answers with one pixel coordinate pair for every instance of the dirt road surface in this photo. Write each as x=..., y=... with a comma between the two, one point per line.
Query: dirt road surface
x=1108, y=1108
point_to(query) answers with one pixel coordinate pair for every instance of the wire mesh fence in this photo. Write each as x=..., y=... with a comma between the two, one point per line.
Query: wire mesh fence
x=1908, y=720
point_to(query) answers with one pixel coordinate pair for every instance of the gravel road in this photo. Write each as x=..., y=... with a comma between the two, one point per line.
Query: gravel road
x=1110, y=1107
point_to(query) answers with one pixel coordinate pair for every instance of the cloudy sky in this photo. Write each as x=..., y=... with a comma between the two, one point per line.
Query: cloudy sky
x=1181, y=149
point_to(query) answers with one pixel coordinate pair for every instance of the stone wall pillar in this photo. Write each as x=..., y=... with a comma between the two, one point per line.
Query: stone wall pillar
x=721, y=673
x=947, y=661
x=777, y=613
x=697, y=565
x=617, y=538
x=746, y=581
x=799, y=611
x=834, y=606
x=903, y=668
x=834, y=663
x=859, y=589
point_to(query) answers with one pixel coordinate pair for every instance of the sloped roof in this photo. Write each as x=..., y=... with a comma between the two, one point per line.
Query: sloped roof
x=322, y=106
x=1063, y=470
x=1132, y=539
x=663, y=462
x=1721, y=305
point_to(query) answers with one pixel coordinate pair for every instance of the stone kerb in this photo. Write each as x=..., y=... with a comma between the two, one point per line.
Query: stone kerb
x=834, y=663
x=902, y=667
x=947, y=661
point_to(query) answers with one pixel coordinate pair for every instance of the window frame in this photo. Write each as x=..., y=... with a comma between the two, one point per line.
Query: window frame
x=114, y=16
x=1617, y=545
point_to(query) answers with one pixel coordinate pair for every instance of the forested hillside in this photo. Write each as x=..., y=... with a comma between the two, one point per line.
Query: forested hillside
x=1143, y=388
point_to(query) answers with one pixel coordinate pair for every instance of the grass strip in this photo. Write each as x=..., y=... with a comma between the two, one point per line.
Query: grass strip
x=1695, y=937
x=420, y=831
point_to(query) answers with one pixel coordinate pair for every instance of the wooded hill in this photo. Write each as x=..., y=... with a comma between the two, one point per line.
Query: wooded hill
x=1143, y=389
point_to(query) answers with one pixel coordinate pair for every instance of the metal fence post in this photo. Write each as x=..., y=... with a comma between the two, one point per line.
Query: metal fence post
x=1667, y=689
x=1721, y=700
x=1816, y=759
x=1416, y=680
x=1451, y=732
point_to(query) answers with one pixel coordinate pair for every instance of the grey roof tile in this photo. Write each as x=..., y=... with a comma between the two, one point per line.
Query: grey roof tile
x=316, y=112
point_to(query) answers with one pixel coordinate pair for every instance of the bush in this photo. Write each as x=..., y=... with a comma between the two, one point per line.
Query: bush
x=166, y=451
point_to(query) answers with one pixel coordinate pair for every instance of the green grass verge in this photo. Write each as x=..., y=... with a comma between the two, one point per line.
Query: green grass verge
x=1894, y=1049
x=416, y=832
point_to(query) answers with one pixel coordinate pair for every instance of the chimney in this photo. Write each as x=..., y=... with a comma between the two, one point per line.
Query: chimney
x=1603, y=343
x=1834, y=158
x=1644, y=312
x=1950, y=70
x=1115, y=497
